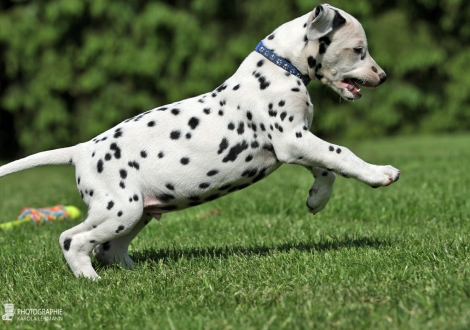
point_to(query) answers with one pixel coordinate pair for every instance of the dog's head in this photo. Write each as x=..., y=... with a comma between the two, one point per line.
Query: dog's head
x=342, y=61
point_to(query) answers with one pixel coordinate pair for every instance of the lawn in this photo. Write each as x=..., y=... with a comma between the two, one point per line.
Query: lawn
x=388, y=258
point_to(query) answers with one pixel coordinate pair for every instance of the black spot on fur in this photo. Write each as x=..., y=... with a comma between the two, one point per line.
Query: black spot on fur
x=322, y=49
x=271, y=37
x=212, y=172
x=134, y=164
x=295, y=89
x=207, y=111
x=100, y=166
x=250, y=172
x=221, y=88
x=331, y=148
x=165, y=198
x=283, y=115
x=268, y=147
x=67, y=243
x=151, y=123
x=188, y=135
x=260, y=63
x=249, y=115
x=110, y=205
x=143, y=154
x=175, y=135
x=161, y=154
x=175, y=111
x=184, y=160
x=338, y=151
x=249, y=158
x=235, y=151
x=263, y=83
x=261, y=175
x=311, y=62
x=193, y=122
x=231, y=126
x=263, y=128
x=204, y=185
x=135, y=198
x=221, y=112
x=236, y=87
x=122, y=185
x=241, y=128
x=223, y=145
x=107, y=157
x=119, y=229
x=117, y=150
x=254, y=144
x=91, y=193
x=123, y=173
x=291, y=118
x=92, y=241
x=117, y=133
x=170, y=186
x=298, y=134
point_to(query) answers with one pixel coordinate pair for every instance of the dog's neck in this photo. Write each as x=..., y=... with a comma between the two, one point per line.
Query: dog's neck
x=289, y=42
x=281, y=62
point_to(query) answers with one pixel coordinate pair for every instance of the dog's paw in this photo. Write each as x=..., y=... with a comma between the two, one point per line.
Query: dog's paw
x=383, y=176
x=320, y=193
x=108, y=256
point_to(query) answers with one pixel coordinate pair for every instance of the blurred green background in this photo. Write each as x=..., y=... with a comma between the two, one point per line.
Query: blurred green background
x=70, y=69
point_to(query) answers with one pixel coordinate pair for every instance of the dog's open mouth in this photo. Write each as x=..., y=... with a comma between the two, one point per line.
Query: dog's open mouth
x=352, y=85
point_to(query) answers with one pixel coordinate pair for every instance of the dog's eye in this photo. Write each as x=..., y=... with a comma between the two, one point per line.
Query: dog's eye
x=358, y=50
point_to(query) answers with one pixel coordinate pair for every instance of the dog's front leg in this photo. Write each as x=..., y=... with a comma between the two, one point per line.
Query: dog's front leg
x=321, y=190
x=308, y=150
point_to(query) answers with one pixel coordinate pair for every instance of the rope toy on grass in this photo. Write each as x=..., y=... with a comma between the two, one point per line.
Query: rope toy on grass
x=41, y=215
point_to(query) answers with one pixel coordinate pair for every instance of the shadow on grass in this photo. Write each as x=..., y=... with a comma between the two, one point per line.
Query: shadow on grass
x=173, y=254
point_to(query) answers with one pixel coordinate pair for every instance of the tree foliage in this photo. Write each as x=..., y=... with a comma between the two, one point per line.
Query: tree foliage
x=72, y=69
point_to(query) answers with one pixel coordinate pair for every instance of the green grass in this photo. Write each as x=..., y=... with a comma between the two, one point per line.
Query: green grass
x=389, y=258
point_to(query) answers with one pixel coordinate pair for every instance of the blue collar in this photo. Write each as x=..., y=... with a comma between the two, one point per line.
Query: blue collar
x=281, y=62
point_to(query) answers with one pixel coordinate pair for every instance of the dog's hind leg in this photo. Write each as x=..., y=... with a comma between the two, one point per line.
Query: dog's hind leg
x=116, y=250
x=102, y=225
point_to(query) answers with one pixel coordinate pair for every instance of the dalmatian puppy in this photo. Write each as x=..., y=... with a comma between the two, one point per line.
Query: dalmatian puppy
x=194, y=151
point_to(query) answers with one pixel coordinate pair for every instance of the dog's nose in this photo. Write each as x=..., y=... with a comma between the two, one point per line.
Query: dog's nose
x=382, y=77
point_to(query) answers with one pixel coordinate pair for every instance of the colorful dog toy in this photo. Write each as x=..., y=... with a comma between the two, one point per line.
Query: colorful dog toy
x=42, y=215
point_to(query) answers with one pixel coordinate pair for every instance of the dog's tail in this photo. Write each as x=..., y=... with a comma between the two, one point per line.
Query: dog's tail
x=51, y=157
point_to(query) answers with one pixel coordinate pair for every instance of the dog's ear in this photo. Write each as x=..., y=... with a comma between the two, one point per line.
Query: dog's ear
x=322, y=21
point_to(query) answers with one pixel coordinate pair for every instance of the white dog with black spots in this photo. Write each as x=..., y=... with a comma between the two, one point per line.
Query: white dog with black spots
x=199, y=149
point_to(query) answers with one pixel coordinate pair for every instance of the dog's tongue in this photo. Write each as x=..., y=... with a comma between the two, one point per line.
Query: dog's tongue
x=351, y=86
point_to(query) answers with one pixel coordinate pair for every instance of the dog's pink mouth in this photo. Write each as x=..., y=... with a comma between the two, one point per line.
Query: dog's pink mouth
x=351, y=86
